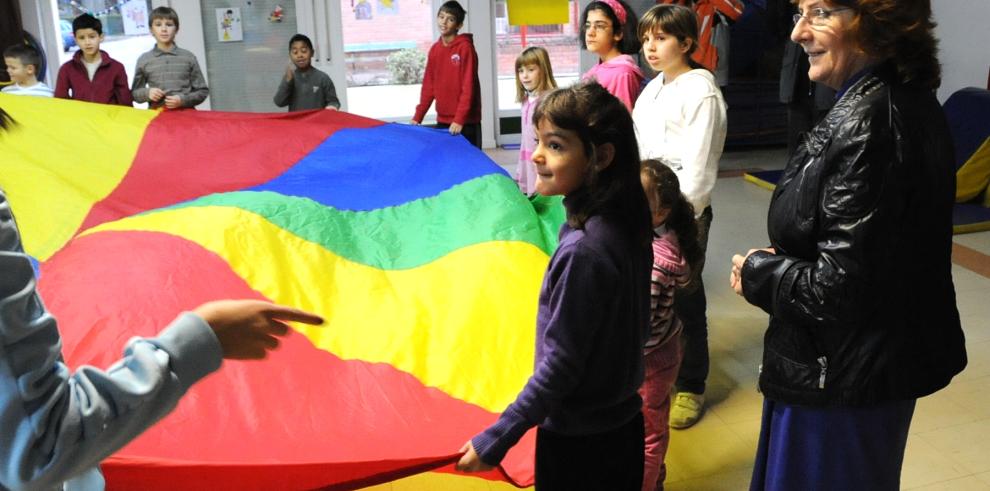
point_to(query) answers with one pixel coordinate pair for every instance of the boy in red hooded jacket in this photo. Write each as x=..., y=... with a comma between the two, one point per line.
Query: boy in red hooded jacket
x=452, y=78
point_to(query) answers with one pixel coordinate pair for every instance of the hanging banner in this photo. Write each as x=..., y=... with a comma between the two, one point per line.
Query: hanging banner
x=537, y=12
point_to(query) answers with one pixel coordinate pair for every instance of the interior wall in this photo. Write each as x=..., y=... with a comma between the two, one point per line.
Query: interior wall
x=964, y=39
x=248, y=72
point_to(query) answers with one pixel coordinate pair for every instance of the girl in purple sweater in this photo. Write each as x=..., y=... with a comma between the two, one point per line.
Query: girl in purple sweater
x=594, y=305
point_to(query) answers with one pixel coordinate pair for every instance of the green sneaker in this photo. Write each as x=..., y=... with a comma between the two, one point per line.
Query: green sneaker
x=686, y=410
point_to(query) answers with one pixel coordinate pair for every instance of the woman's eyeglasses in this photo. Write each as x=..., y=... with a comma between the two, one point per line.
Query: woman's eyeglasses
x=818, y=17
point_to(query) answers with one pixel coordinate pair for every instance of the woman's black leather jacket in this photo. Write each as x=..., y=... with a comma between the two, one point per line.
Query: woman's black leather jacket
x=860, y=295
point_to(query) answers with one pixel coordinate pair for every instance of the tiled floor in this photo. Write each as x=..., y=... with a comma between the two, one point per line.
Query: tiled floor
x=949, y=444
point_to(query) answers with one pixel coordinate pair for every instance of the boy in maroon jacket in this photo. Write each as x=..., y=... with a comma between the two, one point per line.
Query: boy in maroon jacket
x=452, y=78
x=91, y=75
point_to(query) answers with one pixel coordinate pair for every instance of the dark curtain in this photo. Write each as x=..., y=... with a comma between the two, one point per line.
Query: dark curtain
x=11, y=29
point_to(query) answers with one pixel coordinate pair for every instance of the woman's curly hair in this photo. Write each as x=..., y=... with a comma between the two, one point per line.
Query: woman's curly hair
x=899, y=30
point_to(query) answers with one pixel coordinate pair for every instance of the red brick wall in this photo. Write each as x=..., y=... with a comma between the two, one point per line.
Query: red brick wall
x=564, y=53
x=413, y=22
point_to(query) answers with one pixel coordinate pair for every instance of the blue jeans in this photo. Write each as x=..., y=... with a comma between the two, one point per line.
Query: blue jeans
x=690, y=306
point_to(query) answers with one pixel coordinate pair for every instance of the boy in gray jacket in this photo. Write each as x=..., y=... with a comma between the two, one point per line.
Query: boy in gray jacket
x=168, y=76
x=305, y=87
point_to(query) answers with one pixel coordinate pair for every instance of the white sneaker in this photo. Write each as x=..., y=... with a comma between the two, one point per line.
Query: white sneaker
x=686, y=410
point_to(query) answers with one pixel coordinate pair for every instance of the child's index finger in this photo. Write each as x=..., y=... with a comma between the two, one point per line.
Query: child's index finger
x=292, y=314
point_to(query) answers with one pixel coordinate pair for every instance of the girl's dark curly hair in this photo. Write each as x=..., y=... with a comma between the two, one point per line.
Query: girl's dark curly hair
x=667, y=190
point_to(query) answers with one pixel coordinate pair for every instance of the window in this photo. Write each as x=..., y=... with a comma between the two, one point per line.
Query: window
x=560, y=41
x=384, y=43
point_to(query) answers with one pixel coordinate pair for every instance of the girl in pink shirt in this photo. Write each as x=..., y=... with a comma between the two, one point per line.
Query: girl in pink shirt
x=608, y=29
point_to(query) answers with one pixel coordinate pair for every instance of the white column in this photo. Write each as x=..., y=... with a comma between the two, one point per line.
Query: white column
x=39, y=19
x=483, y=28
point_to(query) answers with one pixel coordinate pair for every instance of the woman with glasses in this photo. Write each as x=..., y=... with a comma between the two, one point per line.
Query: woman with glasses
x=608, y=29
x=856, y=279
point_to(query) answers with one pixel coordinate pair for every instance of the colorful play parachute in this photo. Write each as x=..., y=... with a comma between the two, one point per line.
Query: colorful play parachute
x=420, y=252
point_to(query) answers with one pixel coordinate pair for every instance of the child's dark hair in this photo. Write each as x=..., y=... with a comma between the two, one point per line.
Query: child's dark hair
x=165, y=13
x=301, y=38
x=597, y=118
x=674, y=20
x=26, y=54
x=629, y=44
x=667, y=190
x=87, y=21
x=455, y=9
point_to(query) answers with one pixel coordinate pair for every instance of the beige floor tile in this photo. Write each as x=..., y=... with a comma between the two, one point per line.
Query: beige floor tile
x=732, y=333
x=739, y=413
x=979, y=241
x=978, y=354
x=732, y=391
x=967, y=445
x=720, y=385
x=985, y=477
x=708, y=448
x=725, y=481
x=968, y=483
x=925, y=464
x=974, y=302
x=972, y=394
x=976, y=327
x=966, y=280
x=749, y=431
x=939, y=411
x=743, y=404
x=738, y=370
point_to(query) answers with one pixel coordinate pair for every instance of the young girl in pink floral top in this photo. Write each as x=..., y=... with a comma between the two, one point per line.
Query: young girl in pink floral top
x=534, y=77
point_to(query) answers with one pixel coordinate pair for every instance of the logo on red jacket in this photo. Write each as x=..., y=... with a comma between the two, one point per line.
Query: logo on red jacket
x=455, y=59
